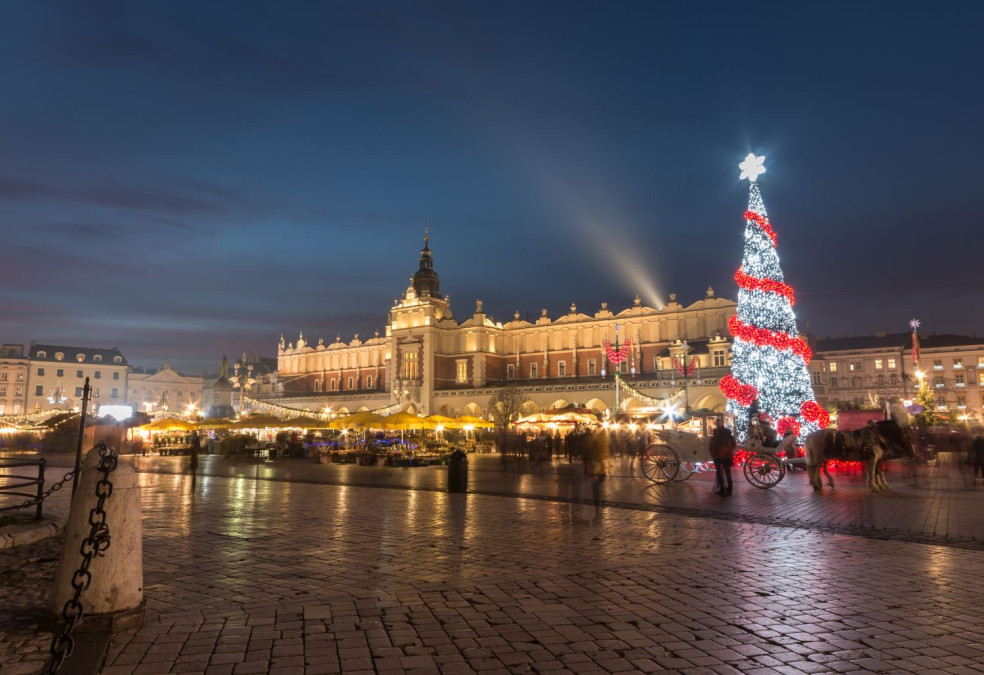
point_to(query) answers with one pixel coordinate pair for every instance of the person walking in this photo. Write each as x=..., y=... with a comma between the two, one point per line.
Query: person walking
x=196, y=447
x=596, y=457
x=977, y=454
x=722, y=449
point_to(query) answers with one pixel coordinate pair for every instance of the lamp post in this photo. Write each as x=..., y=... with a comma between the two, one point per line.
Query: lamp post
x=243, y=378
x=686, y=380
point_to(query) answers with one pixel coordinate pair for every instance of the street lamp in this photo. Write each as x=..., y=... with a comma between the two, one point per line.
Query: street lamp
x=243, y=378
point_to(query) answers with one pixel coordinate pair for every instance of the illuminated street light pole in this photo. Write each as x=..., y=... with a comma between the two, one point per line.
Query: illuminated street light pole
x=244, y=379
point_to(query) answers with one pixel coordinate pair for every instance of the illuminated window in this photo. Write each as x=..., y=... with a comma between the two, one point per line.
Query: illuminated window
x=855, y=366
x=961, y=401
x=958, y=379
x=891, y=364
x=957, y=364
x=980, y=361
x=938, y=381
x=3, y=409
x=937, y=364
x=80, y=357
x=17, y=409
x=562, y=369
x=410, y=365
x=511, y=372
x=461, y=371
x=832, y=366
x=59, y=356
x=117, y=359
x=20, y=377
x=878, y=364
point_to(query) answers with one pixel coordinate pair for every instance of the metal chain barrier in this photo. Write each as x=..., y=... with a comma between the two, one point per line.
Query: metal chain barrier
x=47, y=493
x=92, y=546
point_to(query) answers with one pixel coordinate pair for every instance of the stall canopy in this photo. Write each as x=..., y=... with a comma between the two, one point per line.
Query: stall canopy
x=305, y=422
x=404, y=421
x=169, y=424
x=471, y=420
x=442, y=421
x=359, y=420
x=258, y=422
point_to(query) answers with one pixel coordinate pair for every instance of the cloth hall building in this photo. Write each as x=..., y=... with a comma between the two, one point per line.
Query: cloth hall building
x=429, y=362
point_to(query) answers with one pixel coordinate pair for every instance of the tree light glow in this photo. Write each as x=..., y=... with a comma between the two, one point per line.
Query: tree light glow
x=752, y=167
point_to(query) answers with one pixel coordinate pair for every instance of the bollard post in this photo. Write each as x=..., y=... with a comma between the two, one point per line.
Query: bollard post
x=114, y=597
x=458, y=472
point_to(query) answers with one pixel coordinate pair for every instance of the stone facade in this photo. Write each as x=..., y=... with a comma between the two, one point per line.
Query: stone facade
x=14, y=368
x=149, y=391
x=429, y=362
x=57, y=374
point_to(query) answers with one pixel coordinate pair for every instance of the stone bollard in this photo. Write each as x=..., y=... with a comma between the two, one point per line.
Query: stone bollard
x=458, y=472
x=114, y=598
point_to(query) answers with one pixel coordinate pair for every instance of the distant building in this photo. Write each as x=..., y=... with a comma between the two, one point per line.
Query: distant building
x=151, y=390
x=866, y=371
x=429, y=362
x=13, y=379
x=57, y=375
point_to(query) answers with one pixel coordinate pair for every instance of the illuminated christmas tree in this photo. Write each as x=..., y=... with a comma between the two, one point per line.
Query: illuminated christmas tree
x=769, y=358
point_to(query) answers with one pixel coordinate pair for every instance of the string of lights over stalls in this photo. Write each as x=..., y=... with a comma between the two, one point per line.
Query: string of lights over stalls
x=769, y=359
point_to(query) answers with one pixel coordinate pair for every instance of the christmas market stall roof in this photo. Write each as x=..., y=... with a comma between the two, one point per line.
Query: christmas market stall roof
x=359, y=420
x=442, y=421
x=169, y=424
x=472, y=421
x=404, y=421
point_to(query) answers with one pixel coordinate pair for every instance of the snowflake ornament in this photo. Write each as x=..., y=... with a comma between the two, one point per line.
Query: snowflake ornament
x=752, y=167
x=914, y=324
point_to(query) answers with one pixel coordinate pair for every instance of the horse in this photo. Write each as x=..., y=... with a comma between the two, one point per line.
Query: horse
x=872, y=444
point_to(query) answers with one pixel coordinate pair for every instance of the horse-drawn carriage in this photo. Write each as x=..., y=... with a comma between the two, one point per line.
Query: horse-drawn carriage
x=677, y=455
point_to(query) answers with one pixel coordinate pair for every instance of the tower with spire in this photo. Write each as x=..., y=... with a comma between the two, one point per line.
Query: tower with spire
x=426, y=282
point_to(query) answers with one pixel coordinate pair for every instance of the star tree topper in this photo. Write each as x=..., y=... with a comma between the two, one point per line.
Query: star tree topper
x=752, y=167
x=915, y=325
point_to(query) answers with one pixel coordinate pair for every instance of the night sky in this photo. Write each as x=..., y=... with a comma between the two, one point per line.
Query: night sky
x=187, y=179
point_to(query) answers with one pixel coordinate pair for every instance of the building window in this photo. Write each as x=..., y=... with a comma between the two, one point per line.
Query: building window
x=78, y=392
x=511, y=372
x=833, y=382
x=562, y=369
x=980, y=361
x=368, y=381
x=961, y=401
x=80, y=357
x=937, y=364
x=3, y=390
x=20, y=377
x=18, y=391
x=623, y=367
x=42, y=355
x=893, y=378
x=60, y=373
x=3, y=409
x=719, y=359
x=39, y=390
x=98, y=374
x=461, y=371
x=317, y=385
x=333, y=384
x=832, y=366
x=878, y=364
x=958, y=364
x=117, y=359
x=78, y=373
x=59, y=356
x=891, y=364
x=410, y=365
x=591, y=367
x=95, y=392
x=959, y=380
x=17, y=408
x=533, y=371
x=97, y=358
x=881, y=379
x=938, y=381
x=3, y=376
x=40, y=371
x=116, y=393
x=116, y=376
x=816, y=377
x=855, y=381
x=855, y=366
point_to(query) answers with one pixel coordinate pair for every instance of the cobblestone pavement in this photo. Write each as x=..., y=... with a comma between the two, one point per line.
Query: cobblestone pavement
x=304, y=575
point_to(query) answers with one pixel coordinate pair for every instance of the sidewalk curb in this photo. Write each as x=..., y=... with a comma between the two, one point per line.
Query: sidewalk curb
x=12, y=536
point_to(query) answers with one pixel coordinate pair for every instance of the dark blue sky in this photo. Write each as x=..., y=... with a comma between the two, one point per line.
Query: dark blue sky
x=187, y=179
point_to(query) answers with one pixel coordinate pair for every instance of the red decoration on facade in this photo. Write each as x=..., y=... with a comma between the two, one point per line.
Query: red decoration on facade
x=789, y=423
x=745, y=394
x=689, y=370
x=815, y=412
x=750, y=283
x=617, y=357
x=764, y=337
x=762, y=222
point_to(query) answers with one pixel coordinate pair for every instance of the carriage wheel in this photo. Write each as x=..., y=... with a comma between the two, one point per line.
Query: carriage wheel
x=686, y=471
x=763, y=470
x=660, y=463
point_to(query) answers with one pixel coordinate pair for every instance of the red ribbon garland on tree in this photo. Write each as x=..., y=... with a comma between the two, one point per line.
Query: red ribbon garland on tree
x=750, y=283
x=617, y=357
x=745, y=394
x=762, y=222
x=764, y=337
x=814, y=412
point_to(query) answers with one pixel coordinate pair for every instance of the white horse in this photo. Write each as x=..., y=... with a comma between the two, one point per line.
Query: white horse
x=872, y=444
